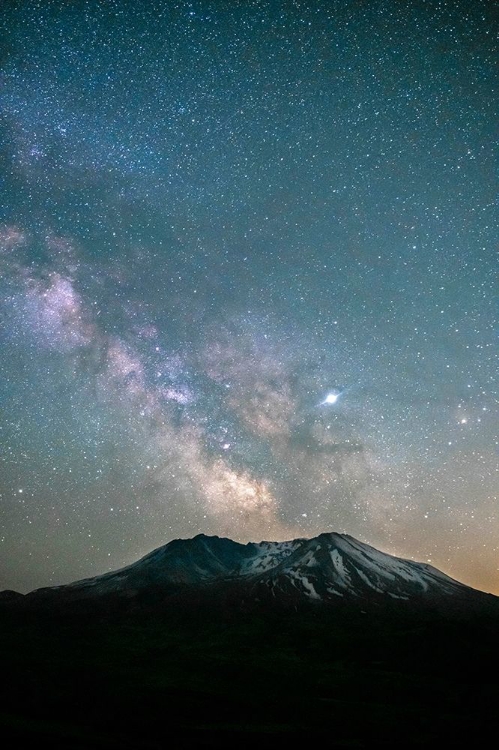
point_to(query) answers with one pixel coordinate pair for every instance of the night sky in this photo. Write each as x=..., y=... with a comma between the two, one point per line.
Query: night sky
x=247, y=280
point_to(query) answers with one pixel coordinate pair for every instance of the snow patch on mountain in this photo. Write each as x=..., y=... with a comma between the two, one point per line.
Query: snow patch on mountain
x=267, y=555
x=305, y=584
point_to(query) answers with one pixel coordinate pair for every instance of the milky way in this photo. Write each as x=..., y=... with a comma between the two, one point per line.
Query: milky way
x=248, y=280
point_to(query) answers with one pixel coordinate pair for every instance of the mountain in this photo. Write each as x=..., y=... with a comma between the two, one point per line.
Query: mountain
x=332, y=570
x=213, y=644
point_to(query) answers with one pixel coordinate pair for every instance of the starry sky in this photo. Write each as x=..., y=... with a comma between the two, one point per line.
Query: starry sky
x=248, y=279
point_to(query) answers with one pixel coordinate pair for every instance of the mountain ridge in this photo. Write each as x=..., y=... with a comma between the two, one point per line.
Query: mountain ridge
x=328, y=569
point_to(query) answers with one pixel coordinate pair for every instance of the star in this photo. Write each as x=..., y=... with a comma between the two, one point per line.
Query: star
x=331, y=398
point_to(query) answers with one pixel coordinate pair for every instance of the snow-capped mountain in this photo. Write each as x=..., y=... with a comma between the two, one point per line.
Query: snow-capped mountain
x=330, y=569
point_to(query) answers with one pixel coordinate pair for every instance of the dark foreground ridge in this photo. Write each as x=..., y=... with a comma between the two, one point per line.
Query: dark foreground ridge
x=209, y=643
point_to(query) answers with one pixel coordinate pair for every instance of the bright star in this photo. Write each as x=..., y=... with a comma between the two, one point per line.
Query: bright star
x=331, y=398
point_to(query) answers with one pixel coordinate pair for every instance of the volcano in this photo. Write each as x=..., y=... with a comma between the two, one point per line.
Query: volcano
x=221, y=644
x=331, y=571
